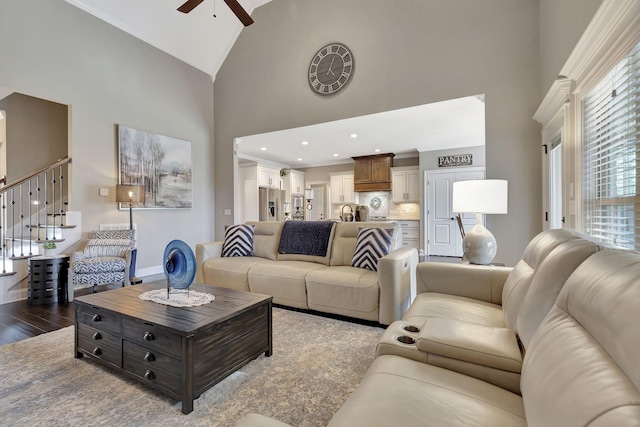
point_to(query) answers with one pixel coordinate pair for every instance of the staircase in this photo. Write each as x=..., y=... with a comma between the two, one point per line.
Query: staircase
x=32, y=214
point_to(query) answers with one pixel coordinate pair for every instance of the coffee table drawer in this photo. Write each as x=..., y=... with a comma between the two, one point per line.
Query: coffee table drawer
x=99, y=318
x=136, y=354
x=99, y=343
x=152, y=367
x=152, y=337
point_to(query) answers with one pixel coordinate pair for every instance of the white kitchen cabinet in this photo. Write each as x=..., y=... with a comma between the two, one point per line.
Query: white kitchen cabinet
x=410, y=232
x=405, y=185
x=268, y=177
x=342, y=189
x=294, y=183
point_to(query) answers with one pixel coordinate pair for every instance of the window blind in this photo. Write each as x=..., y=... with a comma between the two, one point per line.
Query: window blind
x=611, y=158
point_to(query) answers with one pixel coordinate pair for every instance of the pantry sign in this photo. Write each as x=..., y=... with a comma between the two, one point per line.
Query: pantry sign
x=456, y=160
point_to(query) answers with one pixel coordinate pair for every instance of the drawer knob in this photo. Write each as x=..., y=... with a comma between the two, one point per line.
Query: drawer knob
x=96, y=351
x=97, y=336
x=149, y=357
x=96, y=318
x=149, y=375
x=148, y=336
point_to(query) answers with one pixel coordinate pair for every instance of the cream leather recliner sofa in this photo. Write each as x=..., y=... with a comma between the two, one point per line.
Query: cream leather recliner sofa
x=479, y=322
x=328, y=284
x=580, y=359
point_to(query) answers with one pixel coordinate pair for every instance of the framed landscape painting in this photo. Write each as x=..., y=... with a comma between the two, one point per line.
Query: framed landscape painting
x=161, y=163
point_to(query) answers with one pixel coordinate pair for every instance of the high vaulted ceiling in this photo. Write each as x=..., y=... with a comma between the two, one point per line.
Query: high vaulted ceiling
x=196, y=38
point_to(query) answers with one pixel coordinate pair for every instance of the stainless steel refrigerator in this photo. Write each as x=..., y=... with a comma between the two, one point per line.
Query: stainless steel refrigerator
x=270, y=202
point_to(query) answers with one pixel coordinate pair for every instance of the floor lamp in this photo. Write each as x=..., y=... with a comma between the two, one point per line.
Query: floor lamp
x=131, y=194
x=482, y=196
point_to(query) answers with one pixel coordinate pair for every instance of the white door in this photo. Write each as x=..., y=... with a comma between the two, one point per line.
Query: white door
x=317, y=212
x=443, y=233
x=440, y=221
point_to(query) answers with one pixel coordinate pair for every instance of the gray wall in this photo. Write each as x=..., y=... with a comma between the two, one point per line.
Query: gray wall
x=55, y=51
x=422, y=52
x=562, y=22
x=36, y=133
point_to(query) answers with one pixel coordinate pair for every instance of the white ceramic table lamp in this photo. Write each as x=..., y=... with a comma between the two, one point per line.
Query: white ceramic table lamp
x=482, y=196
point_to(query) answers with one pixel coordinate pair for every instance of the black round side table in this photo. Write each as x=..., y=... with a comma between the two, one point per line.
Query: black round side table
x=48, y=279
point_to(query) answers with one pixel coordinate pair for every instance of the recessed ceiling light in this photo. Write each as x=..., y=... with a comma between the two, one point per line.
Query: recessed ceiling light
x=305, y=142
x=264, y=148
x=377, y=150
x=354, y=135
x=299, y=159
x=335, y=155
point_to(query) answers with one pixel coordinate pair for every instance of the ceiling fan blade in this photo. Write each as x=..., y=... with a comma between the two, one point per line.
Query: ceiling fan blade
x=242, y=14
x=189, y=6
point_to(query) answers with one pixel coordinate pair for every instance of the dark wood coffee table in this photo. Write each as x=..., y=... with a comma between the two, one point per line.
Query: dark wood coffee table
x=180, y=351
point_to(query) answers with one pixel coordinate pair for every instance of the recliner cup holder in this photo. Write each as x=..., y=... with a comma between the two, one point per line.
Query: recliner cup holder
x=411, y=328
x=404, y=339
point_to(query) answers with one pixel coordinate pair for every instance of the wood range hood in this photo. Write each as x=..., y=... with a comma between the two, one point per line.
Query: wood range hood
x=372, y=173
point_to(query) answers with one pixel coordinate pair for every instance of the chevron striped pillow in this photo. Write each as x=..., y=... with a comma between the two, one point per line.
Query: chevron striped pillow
x=372, y=244
x=238, y=241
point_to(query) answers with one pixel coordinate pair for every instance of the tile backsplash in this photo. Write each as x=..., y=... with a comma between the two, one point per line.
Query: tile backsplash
x=386, y=207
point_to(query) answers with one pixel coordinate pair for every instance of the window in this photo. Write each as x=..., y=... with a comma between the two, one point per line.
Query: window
x=611, y=159
x=555, y=184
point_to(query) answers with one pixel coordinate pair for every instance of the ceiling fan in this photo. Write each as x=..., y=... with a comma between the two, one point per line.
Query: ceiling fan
x=235, y=7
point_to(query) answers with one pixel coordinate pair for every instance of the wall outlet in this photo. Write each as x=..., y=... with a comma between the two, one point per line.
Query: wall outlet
x=103, y=192
x=227, y=212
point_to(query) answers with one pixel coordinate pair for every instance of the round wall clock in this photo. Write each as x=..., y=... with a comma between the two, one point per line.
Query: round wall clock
x=331, y=68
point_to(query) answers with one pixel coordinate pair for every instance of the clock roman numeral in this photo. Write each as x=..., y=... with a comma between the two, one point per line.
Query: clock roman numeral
x=330, y=69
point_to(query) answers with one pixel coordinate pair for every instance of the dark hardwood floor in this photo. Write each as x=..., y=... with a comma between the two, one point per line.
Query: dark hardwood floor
x=19, y=320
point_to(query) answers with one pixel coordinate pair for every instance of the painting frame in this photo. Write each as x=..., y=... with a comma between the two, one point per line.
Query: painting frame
x=163, y=164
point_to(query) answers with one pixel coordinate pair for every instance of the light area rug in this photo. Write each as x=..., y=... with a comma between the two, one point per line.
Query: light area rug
x=316, y=364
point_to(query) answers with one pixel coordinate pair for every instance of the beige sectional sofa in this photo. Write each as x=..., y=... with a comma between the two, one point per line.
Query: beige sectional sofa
x=551, y=342
x=324, y=283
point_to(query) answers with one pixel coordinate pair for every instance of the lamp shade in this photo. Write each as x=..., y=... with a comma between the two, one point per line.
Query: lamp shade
x=130, y=193
x=308, y=194
x=486, y=196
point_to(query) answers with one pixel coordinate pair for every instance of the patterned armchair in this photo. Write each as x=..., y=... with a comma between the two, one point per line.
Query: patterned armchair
x=105, y=259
